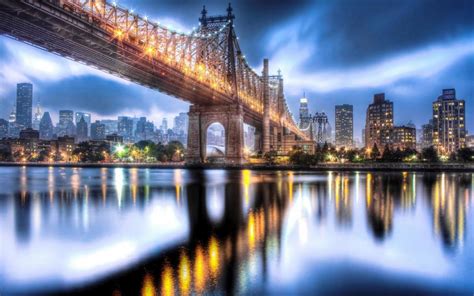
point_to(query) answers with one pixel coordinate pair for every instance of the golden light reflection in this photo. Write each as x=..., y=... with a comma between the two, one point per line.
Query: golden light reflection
x=246, y=180
x=368, y=189
x=177, y=183
x=148, y=288
x=184, y=273
x=199, y=270
x=167, y=283
x=214, y=256
x=251, y=230
x=290, y=186
x=134, y=183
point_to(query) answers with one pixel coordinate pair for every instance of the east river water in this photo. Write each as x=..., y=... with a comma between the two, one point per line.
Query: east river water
x=116, y=231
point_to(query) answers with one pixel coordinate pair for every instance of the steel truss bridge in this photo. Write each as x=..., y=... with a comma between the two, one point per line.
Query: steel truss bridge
x=205, y=67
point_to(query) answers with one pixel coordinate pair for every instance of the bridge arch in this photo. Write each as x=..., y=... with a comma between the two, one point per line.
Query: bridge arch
x=215, y=141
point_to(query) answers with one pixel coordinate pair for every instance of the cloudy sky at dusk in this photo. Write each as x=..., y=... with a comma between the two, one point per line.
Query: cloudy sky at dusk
x=335, y=51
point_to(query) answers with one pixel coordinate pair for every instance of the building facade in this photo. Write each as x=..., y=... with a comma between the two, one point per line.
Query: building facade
x=97, y=131
x=82, y=131
x=403, y=137
x=449, y=129
x=379, y=122
x=344, y=126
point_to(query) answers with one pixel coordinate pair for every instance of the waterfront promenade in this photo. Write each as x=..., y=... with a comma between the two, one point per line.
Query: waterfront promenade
x=370, y=166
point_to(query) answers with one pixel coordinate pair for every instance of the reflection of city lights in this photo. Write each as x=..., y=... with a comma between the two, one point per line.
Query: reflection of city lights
x=184, y=274
x=167, y=284
x=177, y=183
x=214, y=256
x=246, y=175
x=199, y=270
x=148, y=288
x=251, y=230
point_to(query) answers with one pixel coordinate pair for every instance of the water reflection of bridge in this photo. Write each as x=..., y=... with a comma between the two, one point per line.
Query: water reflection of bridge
x=232, y=246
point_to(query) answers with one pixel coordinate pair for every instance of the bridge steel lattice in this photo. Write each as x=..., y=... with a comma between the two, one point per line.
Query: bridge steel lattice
x=205, y=67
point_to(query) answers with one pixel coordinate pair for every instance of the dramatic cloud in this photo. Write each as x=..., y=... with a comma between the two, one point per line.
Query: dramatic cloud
x=337, y=51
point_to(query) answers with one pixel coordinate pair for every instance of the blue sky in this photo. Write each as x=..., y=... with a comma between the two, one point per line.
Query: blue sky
x=335, y=51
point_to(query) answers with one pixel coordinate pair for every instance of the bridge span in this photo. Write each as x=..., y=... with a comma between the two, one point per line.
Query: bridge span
x=205, y=67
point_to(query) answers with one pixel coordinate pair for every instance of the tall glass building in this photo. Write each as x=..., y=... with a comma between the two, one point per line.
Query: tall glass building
x=344, y=126
x=24, y=105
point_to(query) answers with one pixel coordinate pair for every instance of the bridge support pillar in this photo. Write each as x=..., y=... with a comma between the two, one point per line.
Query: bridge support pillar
x=201, y=117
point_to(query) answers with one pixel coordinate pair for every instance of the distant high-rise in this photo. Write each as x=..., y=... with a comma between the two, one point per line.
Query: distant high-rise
x=24, y=105
x=427, y=134
x=46, y=128
x=379, y=122
x=164, y=125
x=3, y=128
x=13, y=128
x=82, y=131
x=344, y=126
x=97, y=131
x=66, y=124
x=66, y=116
x=321, y=128
x=37, y=117
x=125, y=128
x=86, y=116
x=449, y=130
x=181, y=123
x=305, y=118
x=140, y=129
x=111, y=126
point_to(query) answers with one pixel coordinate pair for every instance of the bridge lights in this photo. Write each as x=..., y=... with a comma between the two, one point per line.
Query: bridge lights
x=150, y=50
x=118, y=33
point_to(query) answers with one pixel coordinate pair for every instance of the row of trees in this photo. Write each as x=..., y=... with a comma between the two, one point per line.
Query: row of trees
x=331, y=154
x=148, y=151
x=143, y=151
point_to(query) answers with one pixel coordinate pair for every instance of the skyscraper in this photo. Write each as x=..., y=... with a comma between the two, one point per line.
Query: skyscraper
x=125, y=128
x=86, y=116
x=164, y=125
x=24, y=105
x=449, y=130
x=321, y=128
x=427, y=134
x=344, y=126
x=181, y=123
x=82, y=131
x=13, y=129
x=379, y=122
x=3, y=128
x=46, y=128
x=66, y=123
x=140, y=129
x=111, y=126
x=37, y=117
x=305, y=118
x=97, y=131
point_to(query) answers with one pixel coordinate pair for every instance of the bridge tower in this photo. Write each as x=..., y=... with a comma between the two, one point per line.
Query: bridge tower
x=230, y=116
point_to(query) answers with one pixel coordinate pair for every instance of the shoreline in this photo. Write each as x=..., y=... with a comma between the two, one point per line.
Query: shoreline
x=376, y=166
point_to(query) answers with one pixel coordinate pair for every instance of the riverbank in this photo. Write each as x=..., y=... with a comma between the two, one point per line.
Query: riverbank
x=373, y=166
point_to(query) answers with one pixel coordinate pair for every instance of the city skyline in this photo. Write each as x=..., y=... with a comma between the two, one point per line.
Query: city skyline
x=410, y=83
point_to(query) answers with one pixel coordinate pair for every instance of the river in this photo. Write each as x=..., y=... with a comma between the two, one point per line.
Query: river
x=128, y=231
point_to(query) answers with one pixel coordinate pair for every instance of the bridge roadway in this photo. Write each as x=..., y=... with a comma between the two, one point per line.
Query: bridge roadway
x=205, y=68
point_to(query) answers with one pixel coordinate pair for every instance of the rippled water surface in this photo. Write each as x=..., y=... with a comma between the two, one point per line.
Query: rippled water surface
x=115, y=231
